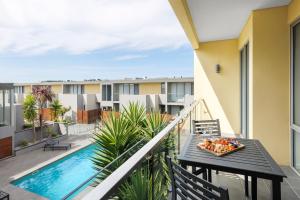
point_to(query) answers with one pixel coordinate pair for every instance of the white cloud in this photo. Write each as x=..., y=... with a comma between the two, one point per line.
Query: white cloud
x=130, y=57
x=80, y=26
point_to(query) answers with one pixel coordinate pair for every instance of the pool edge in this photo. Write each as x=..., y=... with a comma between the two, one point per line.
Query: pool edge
x=48, y=162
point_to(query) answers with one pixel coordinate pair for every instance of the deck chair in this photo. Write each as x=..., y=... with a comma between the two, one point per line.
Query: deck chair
x=212, y=127
x=55, y=145
x=207, y=127
x=188, y=186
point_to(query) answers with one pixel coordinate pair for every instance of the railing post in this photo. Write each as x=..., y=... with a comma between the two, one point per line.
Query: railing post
x=190, y=121
x=178, y=137
x=152, y=174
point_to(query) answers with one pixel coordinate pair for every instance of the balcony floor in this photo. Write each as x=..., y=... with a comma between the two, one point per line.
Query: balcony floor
x=290, y=188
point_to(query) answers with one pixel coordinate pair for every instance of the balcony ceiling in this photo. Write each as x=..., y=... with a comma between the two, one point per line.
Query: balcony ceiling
x=224, y=19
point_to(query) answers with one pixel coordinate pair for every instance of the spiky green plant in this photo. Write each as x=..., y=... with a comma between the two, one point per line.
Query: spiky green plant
x=55, y=107
x=118, y=135
x=137, y=187
x=135, y=113
x=115, y=138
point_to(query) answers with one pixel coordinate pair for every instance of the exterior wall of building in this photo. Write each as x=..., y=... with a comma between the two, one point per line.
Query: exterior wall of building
x=125, y=99
x=268, y=80
x=92, y=88
x=149, y=88
x=221, y=91
x=74, y=101
x=90, y=102
x=57, y=89
x=27, y=89
x=7, y=130
x=293, y=11
x=271, y=81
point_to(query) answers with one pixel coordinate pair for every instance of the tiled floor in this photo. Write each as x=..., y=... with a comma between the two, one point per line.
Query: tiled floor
x=290, y=188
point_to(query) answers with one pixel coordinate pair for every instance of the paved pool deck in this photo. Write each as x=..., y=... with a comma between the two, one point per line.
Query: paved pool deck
x=20, y=165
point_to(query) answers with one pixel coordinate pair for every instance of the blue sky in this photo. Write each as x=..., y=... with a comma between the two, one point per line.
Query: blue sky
x=87, y=39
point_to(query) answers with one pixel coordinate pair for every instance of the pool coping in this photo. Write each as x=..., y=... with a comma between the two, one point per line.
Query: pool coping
x=48, y=162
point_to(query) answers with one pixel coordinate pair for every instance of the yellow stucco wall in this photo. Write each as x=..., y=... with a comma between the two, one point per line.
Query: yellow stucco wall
x=220, y=91
x=150, y=88
x=268, y=80
x=27, y=89
x=271, y=81
x=294, y=11
x=56, y=89
x=92, y=89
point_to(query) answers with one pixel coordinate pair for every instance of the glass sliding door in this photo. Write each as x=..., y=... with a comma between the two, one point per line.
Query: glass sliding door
x=295, y=91
x=244, y=56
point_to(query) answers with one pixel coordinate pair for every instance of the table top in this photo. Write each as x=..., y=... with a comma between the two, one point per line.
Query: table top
x=252, y=160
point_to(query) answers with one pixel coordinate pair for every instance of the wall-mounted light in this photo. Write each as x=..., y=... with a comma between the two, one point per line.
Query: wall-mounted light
x=218, y=68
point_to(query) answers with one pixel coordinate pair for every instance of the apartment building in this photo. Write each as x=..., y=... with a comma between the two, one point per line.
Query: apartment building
x=7, y=122
x=168, y=95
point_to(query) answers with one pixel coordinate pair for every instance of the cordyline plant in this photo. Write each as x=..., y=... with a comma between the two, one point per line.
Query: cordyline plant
x=42, y=94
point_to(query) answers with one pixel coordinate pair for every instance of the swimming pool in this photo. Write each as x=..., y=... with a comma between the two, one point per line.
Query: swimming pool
x=59, y=178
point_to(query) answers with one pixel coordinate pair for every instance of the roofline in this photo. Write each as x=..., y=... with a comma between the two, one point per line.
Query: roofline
x=148, y=80
x=182, y=12
x=6, y=86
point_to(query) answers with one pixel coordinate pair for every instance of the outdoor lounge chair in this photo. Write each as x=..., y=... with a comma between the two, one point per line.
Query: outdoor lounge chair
x=188, y=186
x=55, y=145
x=4, y=195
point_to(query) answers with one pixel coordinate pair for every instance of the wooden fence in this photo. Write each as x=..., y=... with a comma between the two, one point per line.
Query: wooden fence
x=88, y=116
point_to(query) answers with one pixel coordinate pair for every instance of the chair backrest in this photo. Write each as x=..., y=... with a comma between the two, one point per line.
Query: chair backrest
x=51, y=141
x=207, y=127
x=188, y=186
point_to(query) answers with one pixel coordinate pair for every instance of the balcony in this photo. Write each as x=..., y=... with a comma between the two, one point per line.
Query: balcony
x=141, y=155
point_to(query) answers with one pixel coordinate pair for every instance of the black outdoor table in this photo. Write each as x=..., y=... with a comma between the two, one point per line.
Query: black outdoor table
x=252, y=161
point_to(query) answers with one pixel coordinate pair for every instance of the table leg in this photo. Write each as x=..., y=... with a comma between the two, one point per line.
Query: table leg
x=276, y=190
x=246, y=186
x=254, y=187
x=209, y=175
x=204, y=175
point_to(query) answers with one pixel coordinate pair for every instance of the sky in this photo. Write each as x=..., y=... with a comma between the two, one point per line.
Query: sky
x=91, y=39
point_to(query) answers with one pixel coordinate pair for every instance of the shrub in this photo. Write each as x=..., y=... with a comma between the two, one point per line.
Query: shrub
x=23, y=143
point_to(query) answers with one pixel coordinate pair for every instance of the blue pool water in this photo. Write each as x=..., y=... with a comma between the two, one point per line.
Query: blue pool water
x=57, y=179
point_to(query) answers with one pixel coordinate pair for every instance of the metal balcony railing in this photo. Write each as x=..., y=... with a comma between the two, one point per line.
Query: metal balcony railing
x=144, y=157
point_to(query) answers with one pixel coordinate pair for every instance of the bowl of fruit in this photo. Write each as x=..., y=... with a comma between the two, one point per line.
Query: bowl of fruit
x=220, y=146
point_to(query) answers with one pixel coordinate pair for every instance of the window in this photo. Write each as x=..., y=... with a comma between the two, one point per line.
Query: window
x=74, y=89
x=5, y=108
x=177, y=91
x=129, y=89
x=19, y=89
x=106, y=93
x=295, y=92
x=136, y=89
x=244, y=59
x=163, y=88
